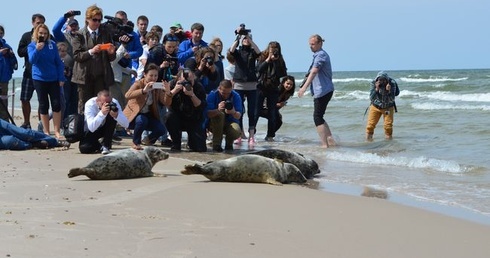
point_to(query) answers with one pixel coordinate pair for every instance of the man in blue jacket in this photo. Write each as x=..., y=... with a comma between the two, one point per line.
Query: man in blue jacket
x=224, y=111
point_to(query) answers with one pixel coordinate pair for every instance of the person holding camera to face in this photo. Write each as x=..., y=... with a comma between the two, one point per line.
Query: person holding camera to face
x=186, y=101
x=203, y=67
x=224, y=111
x=102, y=113
x=245, y=77
x=272, y=68
x=382, y=95
x=142, y=109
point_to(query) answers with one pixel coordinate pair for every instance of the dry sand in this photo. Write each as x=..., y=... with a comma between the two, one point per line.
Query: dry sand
x=43, y=213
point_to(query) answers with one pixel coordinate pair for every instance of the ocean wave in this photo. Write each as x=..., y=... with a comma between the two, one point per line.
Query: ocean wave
x=439, y=165
x=448, y=96
x=432, y=106
x=352, y=80
x=432, y=79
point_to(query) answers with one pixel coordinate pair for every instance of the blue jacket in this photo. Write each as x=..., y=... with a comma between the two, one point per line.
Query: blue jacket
x=46, y=63
x=8, y=63
x=185, y=50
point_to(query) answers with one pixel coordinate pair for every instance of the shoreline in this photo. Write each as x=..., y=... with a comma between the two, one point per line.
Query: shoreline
x=315, y=183
x=44, y=213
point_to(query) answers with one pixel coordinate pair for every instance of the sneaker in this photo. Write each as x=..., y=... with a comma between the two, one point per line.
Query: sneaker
x=64, y=144
x=116, y=138
x=26, y=126
x=269, y=139
x=105, y=150
x=238, y=141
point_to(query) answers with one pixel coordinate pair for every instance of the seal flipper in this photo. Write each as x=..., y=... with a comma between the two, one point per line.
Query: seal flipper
x=89, y=172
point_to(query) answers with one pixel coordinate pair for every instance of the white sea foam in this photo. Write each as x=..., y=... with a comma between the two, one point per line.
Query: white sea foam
x=448, y=96
x=433, y=106
x=417, y=162
x=352, y=80
x=432, y=79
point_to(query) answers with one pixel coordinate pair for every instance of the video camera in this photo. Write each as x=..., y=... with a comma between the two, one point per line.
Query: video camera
x=118, y=29
x=242, y=30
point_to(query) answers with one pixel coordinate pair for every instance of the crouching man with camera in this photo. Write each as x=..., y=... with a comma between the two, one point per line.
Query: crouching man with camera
x=102, y=113
x=224, y=111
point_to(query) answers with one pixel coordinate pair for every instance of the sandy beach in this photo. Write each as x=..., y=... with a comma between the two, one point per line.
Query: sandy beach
x=46, y=214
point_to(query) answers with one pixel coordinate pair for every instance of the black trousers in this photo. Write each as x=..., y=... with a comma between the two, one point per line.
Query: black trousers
x=177, y=123
x=90, y=143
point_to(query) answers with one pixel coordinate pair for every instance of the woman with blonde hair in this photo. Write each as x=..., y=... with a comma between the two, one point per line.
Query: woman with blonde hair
x=48, y=76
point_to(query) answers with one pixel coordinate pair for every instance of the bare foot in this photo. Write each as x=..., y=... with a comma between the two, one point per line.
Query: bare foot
x=137, y=147
x=388, y=137
x=331, y=142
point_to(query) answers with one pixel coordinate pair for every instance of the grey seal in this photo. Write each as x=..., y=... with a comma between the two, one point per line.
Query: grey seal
x=122, y=164
x=248, y=168
x=307, y=166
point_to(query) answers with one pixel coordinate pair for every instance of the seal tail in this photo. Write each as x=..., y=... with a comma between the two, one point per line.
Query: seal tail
x=74, y=172
x=194, y=169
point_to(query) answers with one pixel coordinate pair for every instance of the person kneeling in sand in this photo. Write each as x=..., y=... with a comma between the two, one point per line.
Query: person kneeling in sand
x=17, y=138
x=224, y=110
x=102, y=113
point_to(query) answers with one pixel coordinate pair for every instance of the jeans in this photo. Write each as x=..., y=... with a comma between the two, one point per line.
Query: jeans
x=18, y=138
x=147, y=122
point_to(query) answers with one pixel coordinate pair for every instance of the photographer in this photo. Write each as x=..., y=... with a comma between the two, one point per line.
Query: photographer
x=245, y=77
x=186, y=101
x=102, y=113
x=224, y=111
x=189, y=47
x=202, y=64
x=382, y=95
x=8, y=63
x=272, y=68
x=142, y=109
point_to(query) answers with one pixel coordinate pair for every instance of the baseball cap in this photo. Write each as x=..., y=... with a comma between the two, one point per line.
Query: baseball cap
x=73, y=22
x=176, y=25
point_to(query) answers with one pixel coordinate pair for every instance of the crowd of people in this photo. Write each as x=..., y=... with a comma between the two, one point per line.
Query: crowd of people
x=130, y=81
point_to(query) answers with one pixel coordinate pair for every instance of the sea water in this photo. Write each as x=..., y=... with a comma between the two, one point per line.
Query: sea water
x=439, y=157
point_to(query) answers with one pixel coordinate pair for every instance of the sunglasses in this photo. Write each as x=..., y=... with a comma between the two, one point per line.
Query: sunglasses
x=96, y=20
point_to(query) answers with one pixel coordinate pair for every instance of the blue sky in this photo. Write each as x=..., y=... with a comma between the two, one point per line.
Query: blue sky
x=360, y=35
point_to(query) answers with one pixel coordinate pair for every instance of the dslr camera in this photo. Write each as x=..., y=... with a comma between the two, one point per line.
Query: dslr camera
x=113, y=107
x=117, y=29
x=186, y=83
x=275, y=53
x=242, y=30
x=209, y=60
x=228, y=104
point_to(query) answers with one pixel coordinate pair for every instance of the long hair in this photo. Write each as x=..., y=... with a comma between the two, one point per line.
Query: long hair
x=273, y=44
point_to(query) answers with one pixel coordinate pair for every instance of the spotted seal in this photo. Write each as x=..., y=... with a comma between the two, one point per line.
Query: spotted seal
x=122, y=164
x=307, y=166
x=248, y=168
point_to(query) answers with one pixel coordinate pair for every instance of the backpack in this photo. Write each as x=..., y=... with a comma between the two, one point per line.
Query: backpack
x=73, y=127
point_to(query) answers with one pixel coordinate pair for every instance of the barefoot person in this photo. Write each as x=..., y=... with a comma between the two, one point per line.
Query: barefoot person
x=320, y=79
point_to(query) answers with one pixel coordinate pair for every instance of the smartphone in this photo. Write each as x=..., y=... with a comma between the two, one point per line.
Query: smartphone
x=40, y=39
x=157, y=85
